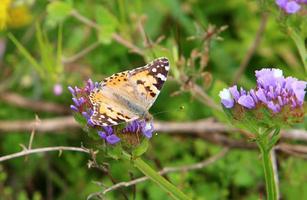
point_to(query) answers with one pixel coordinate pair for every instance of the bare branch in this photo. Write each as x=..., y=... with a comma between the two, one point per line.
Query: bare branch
x=42, y=150
x=205, y=128
x=42, y=106
x=116, y=37
x=81, y=54
x=46, y=125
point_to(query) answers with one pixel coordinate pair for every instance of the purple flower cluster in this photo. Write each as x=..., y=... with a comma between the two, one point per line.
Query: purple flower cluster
x=273, y=90
x=134, y=129
x=81, y=100
x=290, y=6
x=110, y=134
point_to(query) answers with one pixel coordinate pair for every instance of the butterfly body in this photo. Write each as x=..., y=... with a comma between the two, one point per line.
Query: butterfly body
x=128, y=95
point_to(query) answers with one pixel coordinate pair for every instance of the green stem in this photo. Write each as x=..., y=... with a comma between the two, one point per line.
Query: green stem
x=268, y=172
x=300, y=45
x=174, y=192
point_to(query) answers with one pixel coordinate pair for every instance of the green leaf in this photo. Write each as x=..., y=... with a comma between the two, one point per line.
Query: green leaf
x=58, y=10
x=140, y=149
x=115, y=152
x=108, y=23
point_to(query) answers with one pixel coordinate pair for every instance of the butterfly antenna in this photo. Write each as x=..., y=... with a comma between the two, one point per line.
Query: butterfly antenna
x=168, y=111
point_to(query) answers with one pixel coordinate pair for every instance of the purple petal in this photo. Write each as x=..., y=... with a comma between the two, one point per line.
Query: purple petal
x=253, y=94
x=102, y=134
x=269, y=77
x=108, y=130
x=246, y=101
x=86, y=115
x=77, y=90
x=292, y=7
x=75, y=100
x=234, y=92
x=261, y=95
x=147, y=130
x=81, y=100
x=90, y=123
x=226, y=98
x=112, y=139
x=281, y=3
x=71, y=90
x=73, y=107
x=242, y=91
x=90, y=84
x=228, y=103
x=274, y=107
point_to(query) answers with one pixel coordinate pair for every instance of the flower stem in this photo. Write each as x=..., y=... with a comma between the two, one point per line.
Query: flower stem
x=174, y=192
x=268, y=172
x=300, y=45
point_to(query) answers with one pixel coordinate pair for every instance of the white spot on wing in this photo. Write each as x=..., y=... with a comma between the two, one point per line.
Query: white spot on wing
x=154, y=70
x=111, y=121
x=162, y=77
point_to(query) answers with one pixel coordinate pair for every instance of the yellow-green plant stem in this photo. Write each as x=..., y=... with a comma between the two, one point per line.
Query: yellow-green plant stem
x=268, y=171
x=164, y=184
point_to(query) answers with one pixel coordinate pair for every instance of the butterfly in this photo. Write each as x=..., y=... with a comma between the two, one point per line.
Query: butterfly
x=128, y=95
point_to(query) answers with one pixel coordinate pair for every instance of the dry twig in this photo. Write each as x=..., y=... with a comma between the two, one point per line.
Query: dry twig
x=42, y=150
x=41, y=106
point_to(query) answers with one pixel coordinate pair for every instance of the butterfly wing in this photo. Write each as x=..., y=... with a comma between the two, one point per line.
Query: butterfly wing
x=128, y=95
x=107, y=112
x=147, y=81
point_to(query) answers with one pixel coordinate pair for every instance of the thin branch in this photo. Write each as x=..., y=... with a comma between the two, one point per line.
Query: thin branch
x=41, y=106
x=119, y=39
x=167, y=170
x=85, y=20
x=252, y=49
x=201, y=128
x=42, y=150
x=81, y=54
x=47, y=125
x=275, y=169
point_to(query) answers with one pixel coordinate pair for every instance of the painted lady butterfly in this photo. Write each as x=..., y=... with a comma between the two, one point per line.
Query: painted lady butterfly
x=128, y=95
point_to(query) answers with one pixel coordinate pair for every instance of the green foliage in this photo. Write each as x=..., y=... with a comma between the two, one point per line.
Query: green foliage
x=48, y=51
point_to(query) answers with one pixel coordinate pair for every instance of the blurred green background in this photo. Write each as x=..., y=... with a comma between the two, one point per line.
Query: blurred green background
x=49, y=45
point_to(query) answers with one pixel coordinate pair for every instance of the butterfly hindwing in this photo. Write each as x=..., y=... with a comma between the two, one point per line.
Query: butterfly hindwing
x=107, y=112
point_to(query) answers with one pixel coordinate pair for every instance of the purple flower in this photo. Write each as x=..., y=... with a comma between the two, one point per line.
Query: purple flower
x=290, y=6
x=273, y=91
x=226, y=98
x=112, y=139
x=147, y=130
x=80, y=98
x=57, y=89
x=139, y=126
x=246, y=101
x=281, y=3
x=108, y=135
x=71, y=90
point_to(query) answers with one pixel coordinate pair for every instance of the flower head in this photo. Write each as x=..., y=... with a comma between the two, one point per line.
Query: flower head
x=57, y=89
x=14, y=15
x=281, y=96
x=290, y=6
x=131, y=135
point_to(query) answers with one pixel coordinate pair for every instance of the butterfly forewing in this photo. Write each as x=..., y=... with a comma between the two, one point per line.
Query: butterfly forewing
x=148, y=80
